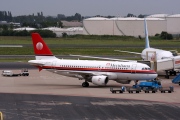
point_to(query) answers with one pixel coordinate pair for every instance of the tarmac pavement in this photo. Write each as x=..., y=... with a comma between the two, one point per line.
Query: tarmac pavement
x=46, y=95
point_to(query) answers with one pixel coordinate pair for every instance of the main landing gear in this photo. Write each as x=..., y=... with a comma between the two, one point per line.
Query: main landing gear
x=168, y=73
x=85, y=84
x=136, y=82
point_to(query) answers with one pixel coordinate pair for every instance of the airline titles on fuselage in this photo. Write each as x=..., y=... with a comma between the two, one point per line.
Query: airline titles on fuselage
x=120, y=66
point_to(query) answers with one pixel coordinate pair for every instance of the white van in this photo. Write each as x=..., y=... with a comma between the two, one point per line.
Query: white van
x=7, y=73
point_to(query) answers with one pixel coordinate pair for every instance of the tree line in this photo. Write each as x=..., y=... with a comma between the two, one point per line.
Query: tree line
x=43, y=33
x=38, y=20
x=6, y=16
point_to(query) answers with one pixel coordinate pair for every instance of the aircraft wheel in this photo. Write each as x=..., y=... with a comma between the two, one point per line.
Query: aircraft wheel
x=170, y=72
x=167, y=76
x=85, y=84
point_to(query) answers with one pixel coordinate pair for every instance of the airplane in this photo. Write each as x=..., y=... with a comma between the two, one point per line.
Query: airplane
x=97, y=72
x=154, y=54
x=150, y=53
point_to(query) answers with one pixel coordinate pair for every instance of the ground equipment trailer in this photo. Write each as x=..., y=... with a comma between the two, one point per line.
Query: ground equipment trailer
x=116, y=90
x=147, y=90
x=168, y=89
x=149, y=84
x=133, y=89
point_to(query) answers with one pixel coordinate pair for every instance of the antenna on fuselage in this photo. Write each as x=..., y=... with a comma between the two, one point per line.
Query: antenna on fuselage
x=146, y=34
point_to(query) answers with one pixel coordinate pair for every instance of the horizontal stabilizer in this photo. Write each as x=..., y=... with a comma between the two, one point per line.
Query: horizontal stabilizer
x=36, y=62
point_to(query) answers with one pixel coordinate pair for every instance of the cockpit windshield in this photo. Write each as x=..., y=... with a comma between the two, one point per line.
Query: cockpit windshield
x=146, y=68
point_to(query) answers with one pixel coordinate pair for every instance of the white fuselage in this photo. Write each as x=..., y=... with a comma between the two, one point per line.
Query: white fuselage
x=114, y=70
x=155, y=54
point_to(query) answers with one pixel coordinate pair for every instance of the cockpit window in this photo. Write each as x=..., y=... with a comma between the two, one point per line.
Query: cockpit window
x=145, y=68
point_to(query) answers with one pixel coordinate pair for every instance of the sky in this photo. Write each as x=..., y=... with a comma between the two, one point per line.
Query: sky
x=90, y=7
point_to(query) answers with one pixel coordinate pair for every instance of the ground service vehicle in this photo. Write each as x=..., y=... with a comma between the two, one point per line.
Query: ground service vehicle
x=24, y=72
x=9, y=73
x=115, y=90
x=132, y=89
x=168, y=89
x=147, y=90
x=149, y=84
x=176, y=80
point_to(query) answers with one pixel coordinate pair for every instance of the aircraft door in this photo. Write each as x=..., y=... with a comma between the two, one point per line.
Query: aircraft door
x=133, y=69
x=54, y=64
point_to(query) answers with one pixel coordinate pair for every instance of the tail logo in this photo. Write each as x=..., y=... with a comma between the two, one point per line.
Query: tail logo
x=39, y=46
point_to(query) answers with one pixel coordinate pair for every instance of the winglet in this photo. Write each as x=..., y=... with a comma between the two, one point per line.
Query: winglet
x=146, y=34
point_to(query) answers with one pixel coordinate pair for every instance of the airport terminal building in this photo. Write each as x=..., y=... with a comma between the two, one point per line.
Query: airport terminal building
x=132, y=26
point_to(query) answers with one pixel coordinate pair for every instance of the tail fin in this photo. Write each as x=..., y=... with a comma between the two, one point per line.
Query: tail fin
x=41, y=50
x=146, y=34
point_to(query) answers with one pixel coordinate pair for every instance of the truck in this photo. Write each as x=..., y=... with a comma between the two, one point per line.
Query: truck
x=149, y=84
x=24, y=72
x=9, y=73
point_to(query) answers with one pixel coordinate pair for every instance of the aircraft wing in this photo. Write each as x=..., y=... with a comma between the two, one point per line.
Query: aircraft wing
x=174, y=52
x=78, y=73
x=104, y=58
x=128, y=52
x=82, y=73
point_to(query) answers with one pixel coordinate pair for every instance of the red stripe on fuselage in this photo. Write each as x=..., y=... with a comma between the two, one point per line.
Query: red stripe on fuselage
x=100, y=70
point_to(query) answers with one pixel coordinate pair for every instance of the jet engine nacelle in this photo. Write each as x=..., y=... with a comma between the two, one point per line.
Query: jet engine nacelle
x=100, y=80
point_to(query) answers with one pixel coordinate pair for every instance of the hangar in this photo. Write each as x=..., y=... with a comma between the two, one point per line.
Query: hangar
x=173, y=24
x=130, y=26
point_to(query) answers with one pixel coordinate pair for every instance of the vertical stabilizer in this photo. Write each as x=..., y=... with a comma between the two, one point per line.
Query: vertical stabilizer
x=146, y=34
x=41, y=50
